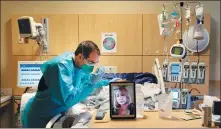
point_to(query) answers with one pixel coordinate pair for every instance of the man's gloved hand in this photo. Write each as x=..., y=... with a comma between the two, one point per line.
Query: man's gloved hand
x=115, y=79
x=97, y=76
x=100, y=70
x=118, y=80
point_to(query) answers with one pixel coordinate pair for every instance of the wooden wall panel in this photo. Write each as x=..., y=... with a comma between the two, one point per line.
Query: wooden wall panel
x=153, y=42
x=63, y=34
x=127, y=27
x=125, y=64
x=203, y=88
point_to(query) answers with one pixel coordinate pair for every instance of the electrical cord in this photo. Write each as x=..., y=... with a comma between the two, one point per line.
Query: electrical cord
x=33, y=48
x=194, y=89
x=26, y=89
x=16, y=102
x=175, y=85
x=181, y=80
x=39, y=41
x=197, y=60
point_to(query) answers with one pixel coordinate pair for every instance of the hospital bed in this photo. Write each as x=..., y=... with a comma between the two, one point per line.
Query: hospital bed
x=78, y=117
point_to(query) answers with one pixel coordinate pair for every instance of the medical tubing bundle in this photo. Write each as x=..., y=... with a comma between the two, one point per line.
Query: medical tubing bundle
x=198, y=60
x=181, y=5
x=41, y=41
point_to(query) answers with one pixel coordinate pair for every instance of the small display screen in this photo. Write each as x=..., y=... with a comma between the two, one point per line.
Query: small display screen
x=24, y=26
x=177, y=50
x=123, y=101
x=175, y=69
x=175, y=95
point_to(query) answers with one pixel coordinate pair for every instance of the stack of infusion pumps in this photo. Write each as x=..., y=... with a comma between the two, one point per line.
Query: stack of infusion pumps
x=191, y=73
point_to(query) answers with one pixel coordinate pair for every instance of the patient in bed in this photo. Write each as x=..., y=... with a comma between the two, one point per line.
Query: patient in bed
x=122, y=102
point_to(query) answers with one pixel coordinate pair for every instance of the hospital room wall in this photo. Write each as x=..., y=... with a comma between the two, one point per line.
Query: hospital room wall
x=129, y=28
x=9, y=62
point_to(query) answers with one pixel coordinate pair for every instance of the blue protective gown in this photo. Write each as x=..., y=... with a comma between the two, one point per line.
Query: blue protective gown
x=67, y=85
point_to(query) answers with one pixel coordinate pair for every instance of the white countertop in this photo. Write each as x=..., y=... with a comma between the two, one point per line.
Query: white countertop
x=5, y=98
x=6, y=94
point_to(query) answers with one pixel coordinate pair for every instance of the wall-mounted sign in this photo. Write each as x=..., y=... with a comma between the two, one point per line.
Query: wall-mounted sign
x=109, y=43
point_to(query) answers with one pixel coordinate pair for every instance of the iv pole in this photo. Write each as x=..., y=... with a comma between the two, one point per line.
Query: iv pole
x=181, y=39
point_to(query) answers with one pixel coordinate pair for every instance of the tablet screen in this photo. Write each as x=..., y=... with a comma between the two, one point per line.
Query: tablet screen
x=122, y=100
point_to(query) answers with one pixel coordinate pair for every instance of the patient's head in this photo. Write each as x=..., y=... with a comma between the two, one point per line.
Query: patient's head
x=121, y=97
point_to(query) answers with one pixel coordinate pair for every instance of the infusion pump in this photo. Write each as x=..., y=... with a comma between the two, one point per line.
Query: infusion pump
x=201, y=73
x=186, y=71
x=193, y=72
x=175, y=72
x=181, y=98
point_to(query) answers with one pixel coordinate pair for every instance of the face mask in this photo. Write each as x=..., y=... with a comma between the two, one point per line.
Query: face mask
x=87, y=68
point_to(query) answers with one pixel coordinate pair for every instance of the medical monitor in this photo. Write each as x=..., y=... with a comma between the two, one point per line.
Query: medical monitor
x=24, y=26
x=28, y=28
x=122, y=100
x=29, y=73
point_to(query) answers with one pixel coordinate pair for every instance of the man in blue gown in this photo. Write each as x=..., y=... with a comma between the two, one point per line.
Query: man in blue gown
x=66, y=81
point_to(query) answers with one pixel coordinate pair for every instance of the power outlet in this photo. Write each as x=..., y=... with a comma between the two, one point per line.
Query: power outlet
x=110, y=69
x=22, y=40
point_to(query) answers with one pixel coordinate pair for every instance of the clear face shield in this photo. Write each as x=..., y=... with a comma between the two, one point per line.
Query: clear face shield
x=95, y=66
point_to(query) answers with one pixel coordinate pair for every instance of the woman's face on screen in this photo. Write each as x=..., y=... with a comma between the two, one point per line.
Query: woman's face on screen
x=121, y=99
